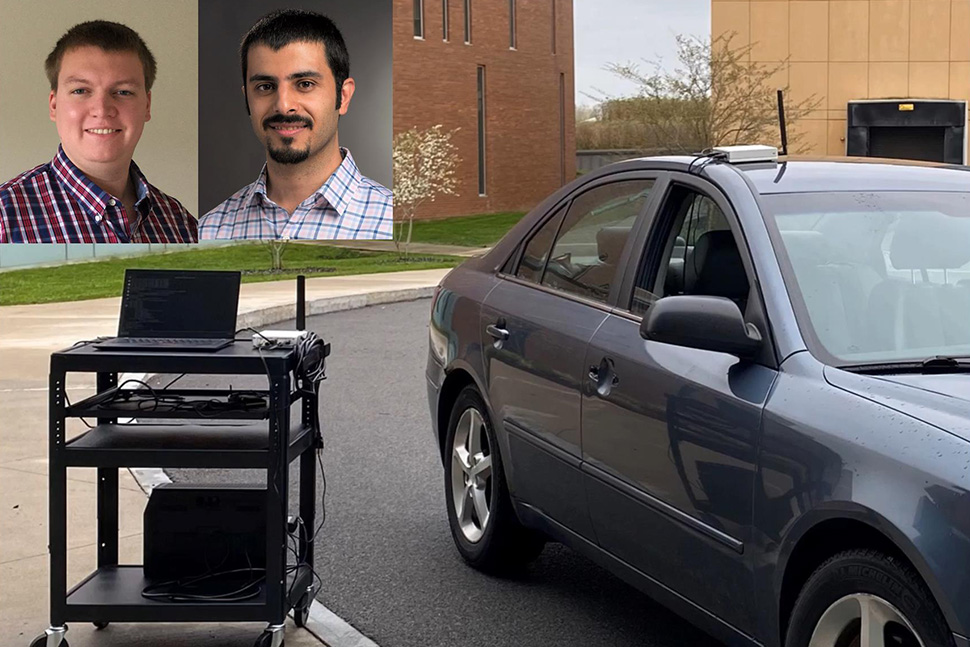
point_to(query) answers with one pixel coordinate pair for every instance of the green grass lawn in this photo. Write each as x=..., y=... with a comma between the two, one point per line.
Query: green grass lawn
x=466, y=231
x=98, y=279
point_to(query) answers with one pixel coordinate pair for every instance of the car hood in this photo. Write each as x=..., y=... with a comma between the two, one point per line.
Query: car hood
x=941, y=400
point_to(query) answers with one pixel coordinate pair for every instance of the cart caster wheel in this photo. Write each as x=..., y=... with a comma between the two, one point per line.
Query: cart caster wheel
x=300, y=616
x=265, y=640
x=100, y=625
x=41, y=641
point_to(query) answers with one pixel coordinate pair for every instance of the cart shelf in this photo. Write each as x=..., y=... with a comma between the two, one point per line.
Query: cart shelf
x=190, y=445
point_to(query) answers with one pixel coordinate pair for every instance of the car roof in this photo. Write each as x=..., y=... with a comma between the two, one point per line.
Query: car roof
x=805, y=175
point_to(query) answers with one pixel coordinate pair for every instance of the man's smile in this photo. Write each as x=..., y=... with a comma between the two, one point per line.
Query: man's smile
x=288, y=130
x=102, y=131
x=287, y=125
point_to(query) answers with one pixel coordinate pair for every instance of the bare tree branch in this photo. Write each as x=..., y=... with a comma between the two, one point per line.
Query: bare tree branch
x=715, y=96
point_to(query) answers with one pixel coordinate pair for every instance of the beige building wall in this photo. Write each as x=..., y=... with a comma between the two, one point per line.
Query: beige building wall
x=843, y=50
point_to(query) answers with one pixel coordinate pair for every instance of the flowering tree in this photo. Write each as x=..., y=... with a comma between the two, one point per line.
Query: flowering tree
x=424, y=168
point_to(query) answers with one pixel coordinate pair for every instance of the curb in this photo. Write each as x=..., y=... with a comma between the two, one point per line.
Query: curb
x=325, y=305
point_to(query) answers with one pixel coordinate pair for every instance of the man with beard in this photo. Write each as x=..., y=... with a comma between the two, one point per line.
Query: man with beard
x=296, y=83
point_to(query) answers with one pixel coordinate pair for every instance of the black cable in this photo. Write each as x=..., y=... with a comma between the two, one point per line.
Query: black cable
x=180, y=593
x=705, y=157
x=173, y=381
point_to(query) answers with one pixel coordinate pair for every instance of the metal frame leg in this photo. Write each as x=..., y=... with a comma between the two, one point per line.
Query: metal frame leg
x=308, y=478
x=57, y=506
x=107, y=493
x=107, y=517
x=277, y=484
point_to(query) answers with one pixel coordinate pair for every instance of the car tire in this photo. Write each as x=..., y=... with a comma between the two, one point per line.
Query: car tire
x=475, y=489
x=830, y=607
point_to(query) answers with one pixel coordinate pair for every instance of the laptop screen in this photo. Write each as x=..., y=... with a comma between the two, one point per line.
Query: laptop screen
x=179, y=303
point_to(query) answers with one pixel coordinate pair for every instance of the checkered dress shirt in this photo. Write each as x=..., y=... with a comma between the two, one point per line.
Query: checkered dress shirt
x=57, y=203
x=347, y=206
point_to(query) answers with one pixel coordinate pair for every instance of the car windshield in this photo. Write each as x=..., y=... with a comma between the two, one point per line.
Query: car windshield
x=878, y=277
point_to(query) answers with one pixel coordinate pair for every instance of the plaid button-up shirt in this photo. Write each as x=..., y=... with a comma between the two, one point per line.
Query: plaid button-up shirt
x=57, y=203
x=347, y=206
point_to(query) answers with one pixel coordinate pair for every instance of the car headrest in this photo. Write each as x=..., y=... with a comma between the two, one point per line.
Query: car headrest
x=674, y=280
x=807, y=247
x=715, y=267
x=930, y=241
x=610, y=242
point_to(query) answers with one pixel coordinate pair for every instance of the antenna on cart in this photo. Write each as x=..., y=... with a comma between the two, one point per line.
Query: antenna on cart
x=300, y=302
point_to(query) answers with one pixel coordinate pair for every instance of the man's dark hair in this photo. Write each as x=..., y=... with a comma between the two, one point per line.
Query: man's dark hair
x=280, y=28
x=109, y=36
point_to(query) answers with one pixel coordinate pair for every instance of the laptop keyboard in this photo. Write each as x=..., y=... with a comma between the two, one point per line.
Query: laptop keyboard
x=166, y=341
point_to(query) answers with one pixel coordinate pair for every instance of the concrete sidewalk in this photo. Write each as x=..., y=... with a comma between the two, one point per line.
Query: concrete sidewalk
x=28, y=335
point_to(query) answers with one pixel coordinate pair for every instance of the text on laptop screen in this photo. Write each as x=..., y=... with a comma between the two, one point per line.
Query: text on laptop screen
x=167, y=303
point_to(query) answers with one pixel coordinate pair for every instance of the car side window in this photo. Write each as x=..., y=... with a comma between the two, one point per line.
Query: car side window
x=537, y=250
x=586, y=255
x=700, y=255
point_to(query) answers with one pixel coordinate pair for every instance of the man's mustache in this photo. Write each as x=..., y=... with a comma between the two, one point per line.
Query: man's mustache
x=280, y=120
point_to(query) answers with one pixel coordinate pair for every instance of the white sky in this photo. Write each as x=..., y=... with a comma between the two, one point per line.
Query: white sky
x=622, y=31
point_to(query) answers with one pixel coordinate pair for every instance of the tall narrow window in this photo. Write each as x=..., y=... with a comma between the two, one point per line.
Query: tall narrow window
x=512, y=39
x=481, y=130
x=562, y=128
x=419, y=18
x=553, y=26
x=444, y=20
x=468, y=21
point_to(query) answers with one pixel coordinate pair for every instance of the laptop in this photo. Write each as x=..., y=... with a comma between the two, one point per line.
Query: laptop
x=176, y=310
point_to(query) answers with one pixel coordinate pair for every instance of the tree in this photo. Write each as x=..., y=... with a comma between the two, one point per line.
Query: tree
x=715, y=97
x=276, y=248
x=424, y=168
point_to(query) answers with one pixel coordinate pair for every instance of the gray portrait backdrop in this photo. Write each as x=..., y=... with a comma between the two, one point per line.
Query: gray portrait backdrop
x=230, y=157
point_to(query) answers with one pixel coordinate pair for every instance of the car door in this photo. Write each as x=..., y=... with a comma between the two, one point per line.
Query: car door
x=536, y=325
x=670, y=433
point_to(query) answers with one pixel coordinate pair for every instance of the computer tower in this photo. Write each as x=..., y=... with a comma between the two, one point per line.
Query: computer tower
x=193, y=530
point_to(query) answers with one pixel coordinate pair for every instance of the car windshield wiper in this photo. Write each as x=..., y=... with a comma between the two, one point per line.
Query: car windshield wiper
x=935, y=364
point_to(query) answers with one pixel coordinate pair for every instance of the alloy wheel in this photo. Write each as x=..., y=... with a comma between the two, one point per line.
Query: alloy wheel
x=863, y=620
x=471, y=475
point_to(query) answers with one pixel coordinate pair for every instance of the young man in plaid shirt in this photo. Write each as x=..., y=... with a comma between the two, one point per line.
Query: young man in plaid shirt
x=296, y=82
x=101, y=76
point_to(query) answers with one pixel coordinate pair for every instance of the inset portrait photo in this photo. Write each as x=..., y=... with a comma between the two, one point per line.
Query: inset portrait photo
x=98, y=122
x=295, y=120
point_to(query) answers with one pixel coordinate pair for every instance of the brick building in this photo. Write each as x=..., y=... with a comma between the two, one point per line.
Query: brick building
x=893, y=75
x=502, y=72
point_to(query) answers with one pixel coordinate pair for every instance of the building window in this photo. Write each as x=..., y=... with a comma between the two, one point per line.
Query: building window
x=468, y=22
x=562, y=128
x=512, y=39
x=419, y=18
x=481, y=130
x=553, y=26
x=444, y=20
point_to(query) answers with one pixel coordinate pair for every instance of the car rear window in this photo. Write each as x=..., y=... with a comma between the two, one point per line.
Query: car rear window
x=589, y=242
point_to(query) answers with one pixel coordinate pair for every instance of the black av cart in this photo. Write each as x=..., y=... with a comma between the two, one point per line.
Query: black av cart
x=188, y=428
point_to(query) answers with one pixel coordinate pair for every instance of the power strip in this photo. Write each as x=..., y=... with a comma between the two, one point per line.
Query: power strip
x=278, y=338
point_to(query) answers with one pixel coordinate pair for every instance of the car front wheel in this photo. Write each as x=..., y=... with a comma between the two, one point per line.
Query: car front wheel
x=863, y=598
x=483, y=523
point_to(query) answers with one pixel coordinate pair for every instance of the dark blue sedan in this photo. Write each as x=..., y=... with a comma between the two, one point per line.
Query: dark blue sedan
x=742, y=387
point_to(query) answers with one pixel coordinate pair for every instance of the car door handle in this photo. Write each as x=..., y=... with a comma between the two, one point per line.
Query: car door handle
x=500, y=334
x=604, y=376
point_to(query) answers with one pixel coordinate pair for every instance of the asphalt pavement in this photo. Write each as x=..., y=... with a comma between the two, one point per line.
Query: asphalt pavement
x=385, y=555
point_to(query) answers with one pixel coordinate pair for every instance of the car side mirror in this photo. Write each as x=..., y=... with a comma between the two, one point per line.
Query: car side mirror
x=703, y=322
